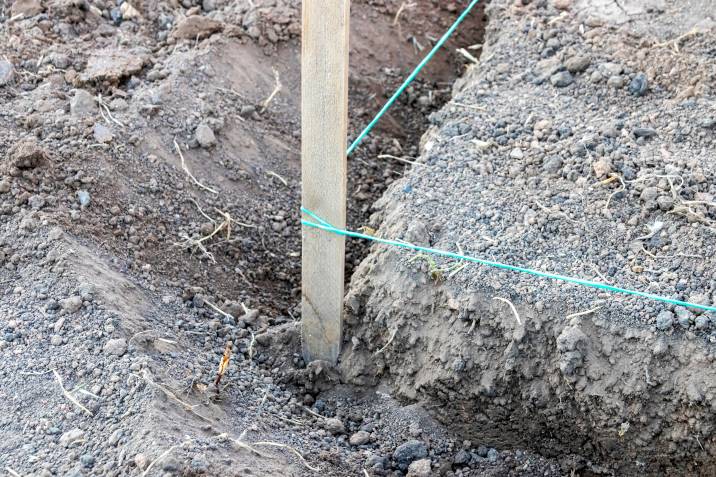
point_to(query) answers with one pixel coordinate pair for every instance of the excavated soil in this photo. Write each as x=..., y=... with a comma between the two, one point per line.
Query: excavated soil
x=149, y=198
x=582, y=144
x=149, y=218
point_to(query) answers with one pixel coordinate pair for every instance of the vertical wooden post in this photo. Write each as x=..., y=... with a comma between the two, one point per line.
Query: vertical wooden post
x=324, y=125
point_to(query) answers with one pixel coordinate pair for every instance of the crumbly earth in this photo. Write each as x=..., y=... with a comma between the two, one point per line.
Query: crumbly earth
x=149, y=198
x=581, y=144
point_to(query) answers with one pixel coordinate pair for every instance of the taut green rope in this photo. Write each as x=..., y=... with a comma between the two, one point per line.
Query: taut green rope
x=323, y=225
x=410, y=78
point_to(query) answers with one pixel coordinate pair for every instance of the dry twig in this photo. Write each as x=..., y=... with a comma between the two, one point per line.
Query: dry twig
x=390, y=340
x=468, y=55
x=188, y=407
x=675, y=42
x=402, y=159
x=276, y=90
x=163, y=455
x=403, y=6
x=582, y=313
x=223, y=365
x=272, y=173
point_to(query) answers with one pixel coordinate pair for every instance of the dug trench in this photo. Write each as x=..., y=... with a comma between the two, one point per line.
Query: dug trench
x=603, y=383
x=150, y=201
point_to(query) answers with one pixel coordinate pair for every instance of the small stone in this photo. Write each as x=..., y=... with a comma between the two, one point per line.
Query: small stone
x=334, y=426
x=36, y=202
x=562, y=4
x=82, y=104
x=616, y=82
x=69, y=437
x=649, y=194
x=102, y=134
x=200, y=464
x=71, y=304
x=665, y=320
x=517, y=153
x=4, y=186
x=141, y=461
x=116, y=347
x=684, y=316
x=196, y=27
x=577, y=64
x=112, y=64
x=360, y=438
x=170, y=464
x=247, y=110
x=420, y=468
x=493, y=455
x=561, y=79
x=129, y=12
x=610, y=69
x=709, y=123
x=702, y=322
x=29, y=223
x=116, y=15
x=462, y=458
x=206, y=229
x=115, y=437
x=26, y=8
x=59, y=60
x=376, y=462
x=665, y=202
x=84, y=197
x=639, y=85
x=56, y=340
x=699, y=299
x=602, y=168
x=409, y=452
x=205, y=136
x=7, y=72
x=87, y=460
x=28, y=154
x=644, y=132
x=553, y=164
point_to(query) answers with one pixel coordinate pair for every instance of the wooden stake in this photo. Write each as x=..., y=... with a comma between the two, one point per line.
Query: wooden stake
x=324, y=123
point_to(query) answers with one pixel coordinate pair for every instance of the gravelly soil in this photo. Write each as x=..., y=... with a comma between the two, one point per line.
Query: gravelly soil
x=582, y=144
x=123, y=279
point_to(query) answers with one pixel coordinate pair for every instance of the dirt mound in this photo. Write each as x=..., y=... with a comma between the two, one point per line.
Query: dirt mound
x=150, y=199
x=583, y=146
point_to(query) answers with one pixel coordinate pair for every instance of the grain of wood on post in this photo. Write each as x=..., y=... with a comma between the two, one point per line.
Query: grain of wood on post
x=324, y=119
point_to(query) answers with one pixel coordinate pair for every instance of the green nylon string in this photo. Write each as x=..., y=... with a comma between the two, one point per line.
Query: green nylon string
x=410, y=78
x=323, y=225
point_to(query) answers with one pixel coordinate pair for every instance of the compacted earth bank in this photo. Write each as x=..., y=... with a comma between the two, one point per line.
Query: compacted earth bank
x=583, y=144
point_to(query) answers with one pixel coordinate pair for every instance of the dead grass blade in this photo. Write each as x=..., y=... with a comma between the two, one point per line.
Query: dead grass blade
x=188, y=172
x=512, y=307
x=68, y=395
x=287, y=447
